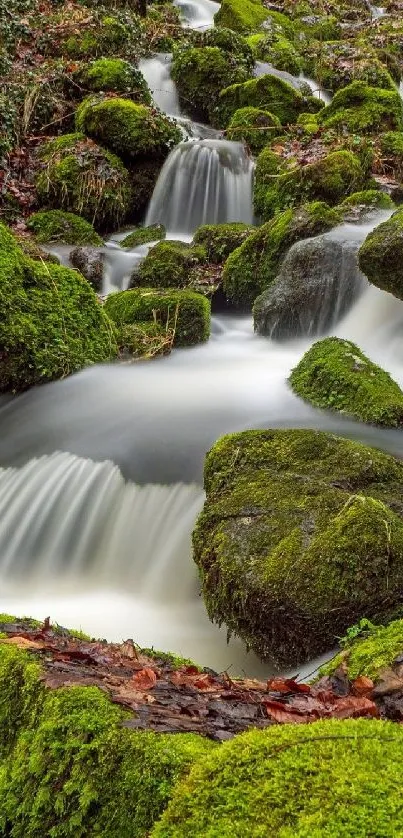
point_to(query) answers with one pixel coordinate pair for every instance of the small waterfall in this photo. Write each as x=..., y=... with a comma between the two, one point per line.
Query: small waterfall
x=197, y=14
x=157, y=73
x=203, y=182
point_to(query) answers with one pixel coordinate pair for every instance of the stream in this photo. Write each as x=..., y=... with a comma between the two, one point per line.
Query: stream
x=101, y=473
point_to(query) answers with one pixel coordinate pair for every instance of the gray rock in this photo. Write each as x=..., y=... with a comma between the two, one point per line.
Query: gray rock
x=318, y=281
x=90, y=262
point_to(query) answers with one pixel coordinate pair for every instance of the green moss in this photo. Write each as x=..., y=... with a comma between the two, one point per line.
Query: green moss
x=219, y=240
x=254, y=127
x=369, y=198
x=143, y=235
x=144, y=341
x=380, y=257
x=332, y=778
x=116, y=75
x=339, y=63
x=228, y=41
x=110, y=36
x=170, y=659
x=336, y=375
x=253, y=266
x=371, y=650
x=241, y=15
x=186, y=313
x=267, y=93
x=51, y=323
x=80, y=177
x=201, y=73
x=169, y=264
x=128, y=129
x=278, y=51
x=298, y=539
x=64, y=227
x=392, y=143
x=359, y=108
x=268, y=167
x=21, y=693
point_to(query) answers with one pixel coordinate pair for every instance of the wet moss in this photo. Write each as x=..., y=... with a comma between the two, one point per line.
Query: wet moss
x=253, y=266
x=229, y=42
x=371, y=198
x=143, y=341
x=301, y=535
x=241, y=15
x=116, y=75
x=359, y=108
x=219, y=240
x=64, y=227
x=254, y=127
x=268, y=167
x=81, y=177
x=21, y=694
x=143, y=235
x=277, y=50
x=126, y=128
x=331, y=778
x=201, y=73
x=336, y=375
x=184, y=312
x=268, y=93
x=369, y=651
x=169, y=264
x=108, y=37
x=380, y=257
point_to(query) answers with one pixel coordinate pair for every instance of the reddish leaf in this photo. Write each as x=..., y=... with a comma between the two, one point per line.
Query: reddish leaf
x=352, y=707
x=362, y=686
x=287, y=685
x=145, y=679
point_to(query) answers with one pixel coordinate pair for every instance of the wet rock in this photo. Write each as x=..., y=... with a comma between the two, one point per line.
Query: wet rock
x=90, y=262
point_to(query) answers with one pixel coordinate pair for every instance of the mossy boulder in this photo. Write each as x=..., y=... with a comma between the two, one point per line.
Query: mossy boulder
x=339, y=63
x=63, y=227
x=381, y=255
x=301, y=535
x=130, y=130
x=241, y=15
x=169, y=264
x=104, y=35
x=116, y=75
x=144, y=341
x=200, y=74
x=81, y=177
x=336, y=375
x=359, y=108
x=329, y=179
x=183, y=311
x=268, y=93
x=90, y=261
x=268, y=166
x=143, y=235
x=219, y=240
x=277, y=50
x=227, y=40
x=368, y=199
x=254, y=127
x=51, y=323
x=330, y=778
x=368, y=650
x=254, y=266
x=109, y=780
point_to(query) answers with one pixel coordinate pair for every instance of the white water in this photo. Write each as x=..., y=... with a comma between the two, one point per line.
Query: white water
x=157, y=73
x=197, y=14
x=203, y=182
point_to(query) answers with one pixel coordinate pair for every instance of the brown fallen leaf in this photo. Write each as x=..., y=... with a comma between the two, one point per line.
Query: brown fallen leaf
x=145, y=679
x=353, y=707
x=287, y=685
x=362, y=686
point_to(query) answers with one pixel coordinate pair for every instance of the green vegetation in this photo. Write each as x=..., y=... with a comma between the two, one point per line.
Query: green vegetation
x=277, y=50
x=227, y=40
x=63, y=227
x=369, y=650
x=253, y=266
x=116, y=75
x=359, y=108
x=219, y=240
x=80, y=177
x=268, y=167
x=143, y=235
x=298, y=539
x=380, y=257
x=371, y=198
x=51, y=323
x=186, y=313
x=169, y=264
x=268, y=93
x=201, y=73
x=336, y=375
x=331, y=778
x=241, y=15
x=254, y=127
x=126, y=128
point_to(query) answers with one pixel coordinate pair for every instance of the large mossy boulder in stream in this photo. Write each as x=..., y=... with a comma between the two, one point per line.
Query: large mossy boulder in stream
x=330, y=778
x=126, y=128
x=62, y=227
x=69, y=766
x=51, y=323
x=381, y=255
x=301, y=535
x=184, y=312
x=254, y=266
x=336, y=375
x=169, y=264
x=268, y=93
x=201, y=73
x=359, y=108
x=219, y=240
x=241, y=15
x=81, y=177
x=117, y=76
x=253, y=127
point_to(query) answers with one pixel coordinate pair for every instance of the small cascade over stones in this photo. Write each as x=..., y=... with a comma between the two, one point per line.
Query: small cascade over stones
x=197, y=14
x=157, y=73
x=203, y=182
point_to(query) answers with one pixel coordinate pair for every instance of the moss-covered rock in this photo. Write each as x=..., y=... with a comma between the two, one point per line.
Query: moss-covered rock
x=143, y=235
x=200, y=74
x=219, y=240
x=380, y=257
x=254, y=127
x=328, y=180
x=339, y=63
x=228, y=41
x=90, y=261
x=368, y=650
x=268, y=166
x=105, y=35
x=277, y=50
x=253, y=266
x=359, y=108
x=336, y=375
x=268, y=93
x=241, y=15
x=51, y=323
x=144, y=341
x=331, y=778
x=301, y=535
x=169, y=264
x=64, y=227
x=369, y=198
x=143, y=178
x=126, y=128
x=116, y=75
x=73, y=768
x=186, y=313
x=80, y=177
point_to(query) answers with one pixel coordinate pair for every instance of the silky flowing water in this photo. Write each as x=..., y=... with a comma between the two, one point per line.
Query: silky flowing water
x=101, y=474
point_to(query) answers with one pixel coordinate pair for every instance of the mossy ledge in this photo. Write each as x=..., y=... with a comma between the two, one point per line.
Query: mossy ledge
x=368, y=650
x=183, y=312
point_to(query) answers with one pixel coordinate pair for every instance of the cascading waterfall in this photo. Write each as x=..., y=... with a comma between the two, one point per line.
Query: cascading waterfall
x=197, y=14
x=203, y=182
x=157, y=73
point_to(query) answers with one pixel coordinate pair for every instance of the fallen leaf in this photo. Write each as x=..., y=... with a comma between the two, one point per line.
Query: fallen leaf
x=145, y=679
x=362, y=685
